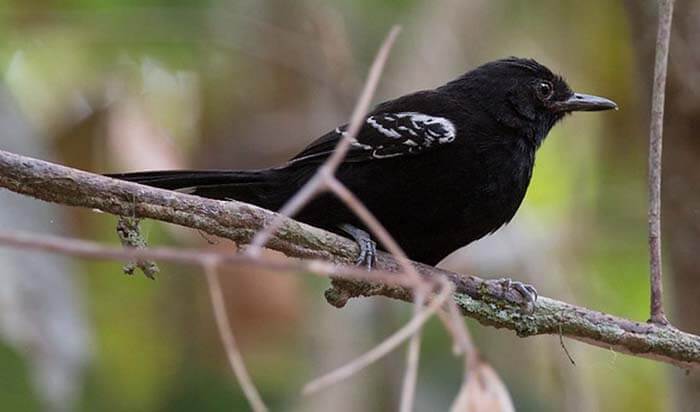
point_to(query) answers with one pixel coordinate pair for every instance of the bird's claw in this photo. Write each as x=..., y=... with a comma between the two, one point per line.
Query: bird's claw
x=368, y=247
x=528, y=292
x=368, y=253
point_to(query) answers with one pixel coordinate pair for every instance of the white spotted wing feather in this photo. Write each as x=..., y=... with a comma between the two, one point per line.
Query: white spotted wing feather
x=386, y=135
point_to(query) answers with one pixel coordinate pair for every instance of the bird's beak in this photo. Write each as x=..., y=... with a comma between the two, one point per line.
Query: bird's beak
x=584, y=103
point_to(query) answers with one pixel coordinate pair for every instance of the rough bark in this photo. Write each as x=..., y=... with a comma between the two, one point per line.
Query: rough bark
x=482, y=300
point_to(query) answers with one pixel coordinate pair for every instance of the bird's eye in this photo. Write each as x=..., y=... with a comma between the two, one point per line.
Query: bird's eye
x=545, y=90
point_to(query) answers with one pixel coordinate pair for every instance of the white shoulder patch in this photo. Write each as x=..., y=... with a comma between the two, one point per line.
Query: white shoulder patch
x=405, y=133
x=386, y=135
x=405, y=124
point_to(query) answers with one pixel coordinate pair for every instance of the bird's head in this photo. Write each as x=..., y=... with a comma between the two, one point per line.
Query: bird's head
x=525, y=95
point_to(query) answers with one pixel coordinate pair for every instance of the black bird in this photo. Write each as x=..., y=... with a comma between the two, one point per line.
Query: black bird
x=439, y=168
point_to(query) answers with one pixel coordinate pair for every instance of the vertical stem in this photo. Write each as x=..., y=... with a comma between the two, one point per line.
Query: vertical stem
x=655, y=150
x=408, y=389
x=223, y=324
x=330, y=165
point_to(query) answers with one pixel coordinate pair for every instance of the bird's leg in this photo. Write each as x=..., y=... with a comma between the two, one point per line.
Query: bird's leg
x=528, y=292
x=368, y=247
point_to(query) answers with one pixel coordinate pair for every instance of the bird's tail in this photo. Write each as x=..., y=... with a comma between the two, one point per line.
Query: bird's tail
x=260, y=187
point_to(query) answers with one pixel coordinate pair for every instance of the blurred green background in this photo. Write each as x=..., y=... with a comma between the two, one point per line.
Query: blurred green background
x=109, y=85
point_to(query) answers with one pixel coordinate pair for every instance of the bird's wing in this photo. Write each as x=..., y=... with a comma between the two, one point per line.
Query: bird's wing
x=384, y=135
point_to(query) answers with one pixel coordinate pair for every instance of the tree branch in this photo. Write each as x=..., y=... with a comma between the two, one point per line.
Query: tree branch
x=477, y=298
x=229, y=341
x=656, y=127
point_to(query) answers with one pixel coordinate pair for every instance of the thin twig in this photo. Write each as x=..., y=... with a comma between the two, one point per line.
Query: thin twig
x=408, y=387
x=655, y=149
x=377, y=229
x=228, y=340
x=464, y=341
x=196, y=257
x=373, y=225
x=389, y=344
x=317, y=183
x=563, y=346
x=291, y=208
x=325, y=179
x=357, y=118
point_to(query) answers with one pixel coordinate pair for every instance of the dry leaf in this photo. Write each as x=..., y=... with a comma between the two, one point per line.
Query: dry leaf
x=483, y=391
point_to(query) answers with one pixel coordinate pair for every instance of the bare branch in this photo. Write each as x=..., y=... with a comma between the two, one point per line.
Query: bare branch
x=655, y=149
x=360, y=111
x=91, y=250
x=373, y=224
x=291, y=208
x=566, y=351
x=389, y=344
x=325, y=179
x=237, y=221
x=325, y=172
x=408, y=387
x=410, y=377
x=464, y=341
x=224, y=326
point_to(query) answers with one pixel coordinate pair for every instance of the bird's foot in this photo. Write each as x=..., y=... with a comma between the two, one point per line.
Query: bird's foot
x=528, y=292
x=368, y=253
x=368, y=247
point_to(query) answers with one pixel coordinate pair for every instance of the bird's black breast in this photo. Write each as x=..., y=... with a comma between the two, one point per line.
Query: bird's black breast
x=508, y=170
x=438, y=202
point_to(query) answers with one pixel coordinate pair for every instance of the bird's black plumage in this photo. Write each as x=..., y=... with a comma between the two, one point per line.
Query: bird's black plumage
x=439, y=168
